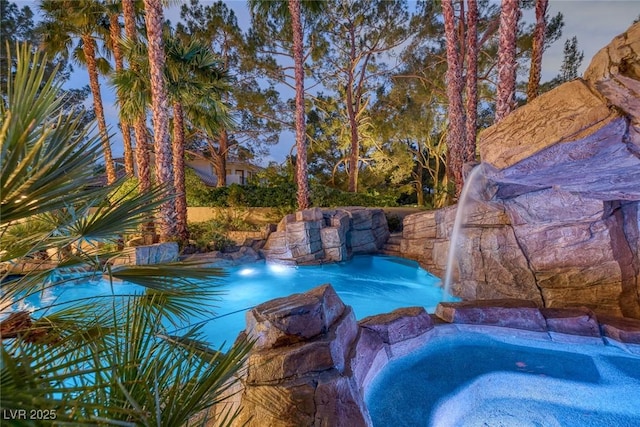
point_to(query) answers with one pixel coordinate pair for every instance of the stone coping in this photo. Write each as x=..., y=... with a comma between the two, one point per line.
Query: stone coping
x=312, y=353
x=559, y=323
x=385, y=337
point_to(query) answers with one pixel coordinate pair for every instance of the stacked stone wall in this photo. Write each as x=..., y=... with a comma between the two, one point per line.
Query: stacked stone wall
x=327, y=235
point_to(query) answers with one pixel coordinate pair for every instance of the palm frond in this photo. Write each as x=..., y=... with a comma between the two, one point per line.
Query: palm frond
x=94, y=359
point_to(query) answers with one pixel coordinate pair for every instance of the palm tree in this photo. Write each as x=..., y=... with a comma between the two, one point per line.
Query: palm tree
x=456, y=129
x=195, y=83
x=115, y=34
x=66, y=21
x=471, y=88
x=507, y=65
x=138, y=115
x=159, y=109
x=537, y=49
x=194, y=77
x=107, y=360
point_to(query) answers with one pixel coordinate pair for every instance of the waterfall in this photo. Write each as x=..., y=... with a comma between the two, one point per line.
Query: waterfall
x=470, y=191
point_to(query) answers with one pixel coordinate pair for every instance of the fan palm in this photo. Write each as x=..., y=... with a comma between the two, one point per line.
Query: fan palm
x=138, y=117
x=194, y=77
x=159, y=109
x=107, y=360
x=195, y=82
x=114, y=9
x=455, y=84
x=507, y=65
x=65, y=22
x=537, y=49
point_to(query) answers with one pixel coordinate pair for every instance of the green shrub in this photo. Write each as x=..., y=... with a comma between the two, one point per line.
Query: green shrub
x=209, y=236
x=278, y=194
x=324, y=196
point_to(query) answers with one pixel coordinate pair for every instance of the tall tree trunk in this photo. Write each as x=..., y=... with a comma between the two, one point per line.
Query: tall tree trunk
x=160, y=107
x=354, y=150
x=114, y=32
x=143, y=161
x=354, y=154
x=537, y=49
x=456, y=129
x=140, y=130
x=178, y=172
x=471, y=89
x=220, y=158
x=89, y=51
x=302, y=179
x=140, y=123
x=507, y=65
x=419, y=176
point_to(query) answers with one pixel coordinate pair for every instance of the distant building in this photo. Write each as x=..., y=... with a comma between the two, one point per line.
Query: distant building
x=238, y=172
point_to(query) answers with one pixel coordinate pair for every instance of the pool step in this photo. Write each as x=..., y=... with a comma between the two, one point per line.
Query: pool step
x=392, y=247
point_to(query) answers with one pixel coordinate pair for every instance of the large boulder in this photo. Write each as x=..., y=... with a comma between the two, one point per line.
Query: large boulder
x=299, y=370
x=148, y=254
x=556, y=218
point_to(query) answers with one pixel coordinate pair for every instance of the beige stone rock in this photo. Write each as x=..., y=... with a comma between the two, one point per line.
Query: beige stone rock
x=418, y=226
x=282, y=225
x=315, y=235
x=331, y=237
x=339, y=402
x=149, y=254
x=399, y=325
x=362, y=241
x=287, y=405
x=312, y=214
x=327, y=352
x=565, y=113
x=298, y=317
x=615, y=71
x=601, y=298
x=578, y=321
x=620, y=329
x=592, y=165
x=545, y=206
x=336, y=254
x=370, y=355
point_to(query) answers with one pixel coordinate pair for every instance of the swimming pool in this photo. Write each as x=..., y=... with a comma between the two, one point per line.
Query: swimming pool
x=472, y=379
x=371, y=284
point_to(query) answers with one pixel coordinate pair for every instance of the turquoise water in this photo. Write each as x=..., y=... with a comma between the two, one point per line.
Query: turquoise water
x=471, y=379
x=370, y=284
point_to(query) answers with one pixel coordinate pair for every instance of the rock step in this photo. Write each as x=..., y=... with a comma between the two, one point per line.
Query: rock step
x=390, y=250
x=395, y=239
x=391, y=247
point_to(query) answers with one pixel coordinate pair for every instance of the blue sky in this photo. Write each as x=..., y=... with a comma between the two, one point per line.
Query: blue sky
x=594, y=22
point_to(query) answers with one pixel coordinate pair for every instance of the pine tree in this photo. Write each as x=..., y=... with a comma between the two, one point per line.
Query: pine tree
x=572, y=60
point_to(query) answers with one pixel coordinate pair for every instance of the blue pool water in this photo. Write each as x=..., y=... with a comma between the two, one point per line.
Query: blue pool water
x=471, y=379
x=370, y=284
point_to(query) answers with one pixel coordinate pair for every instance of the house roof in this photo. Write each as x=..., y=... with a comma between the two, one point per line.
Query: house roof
x=209, y=180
